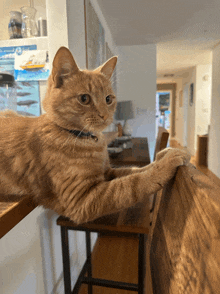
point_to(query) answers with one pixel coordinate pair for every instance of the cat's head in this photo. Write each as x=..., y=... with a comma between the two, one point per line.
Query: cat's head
x=80, y=99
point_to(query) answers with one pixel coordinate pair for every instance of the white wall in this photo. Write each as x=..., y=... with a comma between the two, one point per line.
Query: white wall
x=136, y=76
x=179, y=113
x=185, y=115
x=198, y=115
x=21, y=259
x=76, y=31
x=56, y=26
x=203, y=98
x=191, y=115
x=214, y=137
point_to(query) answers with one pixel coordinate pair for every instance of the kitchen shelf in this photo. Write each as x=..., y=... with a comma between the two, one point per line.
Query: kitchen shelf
x=41, y=42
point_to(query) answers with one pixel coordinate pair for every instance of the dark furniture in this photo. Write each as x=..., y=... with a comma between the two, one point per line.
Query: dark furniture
x=137, y=155
x=202, y=150
x=161, y=143
x=162, y=139
x=130, y=222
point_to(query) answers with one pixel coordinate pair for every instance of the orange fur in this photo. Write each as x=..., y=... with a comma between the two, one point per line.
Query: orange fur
x=72, y=175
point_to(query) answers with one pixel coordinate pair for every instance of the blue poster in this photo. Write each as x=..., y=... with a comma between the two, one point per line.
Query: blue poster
x=9, y=52
x=26, y=100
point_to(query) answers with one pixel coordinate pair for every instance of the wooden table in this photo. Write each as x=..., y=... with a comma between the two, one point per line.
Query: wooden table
x=11, y=213
x=137, y=155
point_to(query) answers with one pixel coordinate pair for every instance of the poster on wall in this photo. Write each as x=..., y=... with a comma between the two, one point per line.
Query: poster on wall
x=26, y=101
x=32, y=65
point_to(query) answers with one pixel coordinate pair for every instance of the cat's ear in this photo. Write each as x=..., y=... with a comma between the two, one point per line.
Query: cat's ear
x=64, y=65
x=108, y=67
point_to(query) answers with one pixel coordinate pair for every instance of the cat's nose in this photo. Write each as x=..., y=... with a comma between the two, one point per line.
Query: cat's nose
x=104, y=117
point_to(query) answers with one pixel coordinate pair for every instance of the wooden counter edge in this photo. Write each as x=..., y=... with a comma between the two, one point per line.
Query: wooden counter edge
x=16, y=214
x=196, y=176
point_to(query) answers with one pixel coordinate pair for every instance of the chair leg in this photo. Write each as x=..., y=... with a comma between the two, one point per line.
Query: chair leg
x=66, y=260
x=141, y=262
x=89, y=259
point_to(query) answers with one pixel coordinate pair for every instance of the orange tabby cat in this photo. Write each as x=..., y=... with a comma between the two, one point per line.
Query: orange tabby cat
x=61, y=157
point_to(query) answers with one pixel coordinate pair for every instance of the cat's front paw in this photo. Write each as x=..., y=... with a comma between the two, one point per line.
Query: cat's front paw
x=162, y=153
x=177, y=157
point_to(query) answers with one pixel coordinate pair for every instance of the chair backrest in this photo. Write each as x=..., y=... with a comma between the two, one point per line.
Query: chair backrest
x=184, y=243
x=161, y=143
x=162, y=139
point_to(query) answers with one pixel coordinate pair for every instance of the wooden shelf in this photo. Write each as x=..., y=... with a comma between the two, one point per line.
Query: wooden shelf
x=41, y=42
x=11, y=213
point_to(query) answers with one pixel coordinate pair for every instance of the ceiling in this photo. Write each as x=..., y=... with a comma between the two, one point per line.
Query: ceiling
x=185, y=31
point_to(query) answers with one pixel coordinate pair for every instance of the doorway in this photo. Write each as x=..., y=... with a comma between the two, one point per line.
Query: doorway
x=163, y=109
x=169, y=88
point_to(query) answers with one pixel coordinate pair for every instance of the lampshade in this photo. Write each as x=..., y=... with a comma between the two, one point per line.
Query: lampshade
x=124, y=110
x=6, y=78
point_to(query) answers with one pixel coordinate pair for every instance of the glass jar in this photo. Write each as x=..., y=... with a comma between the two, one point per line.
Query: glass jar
x=8, y=92
x=29, y=27
x=14, y=26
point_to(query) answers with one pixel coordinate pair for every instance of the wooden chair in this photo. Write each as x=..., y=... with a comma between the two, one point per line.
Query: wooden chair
x=162, y=139
x=161, y=143
x=183, y=247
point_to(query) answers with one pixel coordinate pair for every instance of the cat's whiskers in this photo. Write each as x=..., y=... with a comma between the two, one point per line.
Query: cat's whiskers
x=79, y=134
x=89, y=129
x=69, y=138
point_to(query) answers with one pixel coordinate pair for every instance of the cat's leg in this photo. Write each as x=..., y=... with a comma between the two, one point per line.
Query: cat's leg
x=118, y=172
x=91, y=200
x=112, y=173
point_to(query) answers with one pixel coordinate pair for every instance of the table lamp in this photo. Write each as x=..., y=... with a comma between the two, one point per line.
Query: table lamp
x=125, y=111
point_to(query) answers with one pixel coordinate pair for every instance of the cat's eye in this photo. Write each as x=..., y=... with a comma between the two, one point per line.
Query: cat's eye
x=108, y=100
x=84, y=99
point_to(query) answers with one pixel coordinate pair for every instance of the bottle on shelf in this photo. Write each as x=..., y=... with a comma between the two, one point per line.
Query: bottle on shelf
x=29, y=27
x=14, y=26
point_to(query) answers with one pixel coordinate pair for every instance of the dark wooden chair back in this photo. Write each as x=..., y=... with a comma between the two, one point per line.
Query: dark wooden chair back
x=184, y=243
x=161, y=143
x=162, y=139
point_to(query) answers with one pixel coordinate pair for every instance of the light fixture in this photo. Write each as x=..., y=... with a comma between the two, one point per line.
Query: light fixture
x=125, y=111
